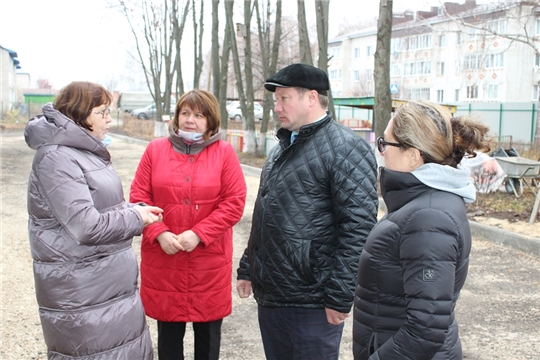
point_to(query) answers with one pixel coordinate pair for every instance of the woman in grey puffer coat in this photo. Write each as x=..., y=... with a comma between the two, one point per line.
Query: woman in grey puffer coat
x=81, y=230
x=415, y=260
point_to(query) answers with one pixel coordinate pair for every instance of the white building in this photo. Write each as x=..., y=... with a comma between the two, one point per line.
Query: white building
x=8, y=80
x=436, y=57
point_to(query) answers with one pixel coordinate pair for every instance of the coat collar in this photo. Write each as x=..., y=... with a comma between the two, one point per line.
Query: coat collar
x=305, y=131
x=180, y=146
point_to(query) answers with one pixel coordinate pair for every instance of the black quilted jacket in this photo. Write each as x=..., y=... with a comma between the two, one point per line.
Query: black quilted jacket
x=317, y=203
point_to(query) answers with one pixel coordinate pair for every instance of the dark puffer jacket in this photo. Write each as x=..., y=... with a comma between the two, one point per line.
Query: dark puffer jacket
x=317, y=203
x=412, y=269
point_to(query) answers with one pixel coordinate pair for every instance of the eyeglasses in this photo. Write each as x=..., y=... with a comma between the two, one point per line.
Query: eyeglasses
x=381, y=144
x=104, y=113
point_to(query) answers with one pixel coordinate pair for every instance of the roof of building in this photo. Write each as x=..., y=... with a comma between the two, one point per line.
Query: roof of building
x=425, y=18
x=13, y=56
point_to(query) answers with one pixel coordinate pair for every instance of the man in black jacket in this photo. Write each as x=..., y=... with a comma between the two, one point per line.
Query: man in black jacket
x=316, y=204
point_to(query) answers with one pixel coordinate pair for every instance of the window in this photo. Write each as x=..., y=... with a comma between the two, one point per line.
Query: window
x=369, y=51
x=456, y=95
x=417, y=68
x=335, y=51
x=473, y=33
x=335, y=74
x=536, y=93
x=440, y=96
x=419, y=42
x=472, y=92
x=395, y=46
x=417, y=94
x=472, y=62
x=369, y=74
x=356, y=53
x=356, y=75
x=442, y=40
x=458, y=40
x=440, y=68
x=395, y=70
x=494, y=60
x=497, y=26
x=536, y=60
x=493, y=91
x=424, y=41
x=458, y=66
x=537, y=27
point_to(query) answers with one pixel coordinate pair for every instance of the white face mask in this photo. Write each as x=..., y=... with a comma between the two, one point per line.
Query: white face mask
x=190, y=136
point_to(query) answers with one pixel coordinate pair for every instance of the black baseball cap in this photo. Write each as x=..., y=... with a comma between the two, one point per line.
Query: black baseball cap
x=299, y=75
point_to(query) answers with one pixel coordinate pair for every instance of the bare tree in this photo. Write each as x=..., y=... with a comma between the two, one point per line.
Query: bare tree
x=382, y=108
x=321, y=13
x=223, y=71
x=197, y=42
x=179, y=24
x=246, y=96
x=269, y=50
x=215, y=48
x=248, y=116
x=151, y=26
x=303, y=36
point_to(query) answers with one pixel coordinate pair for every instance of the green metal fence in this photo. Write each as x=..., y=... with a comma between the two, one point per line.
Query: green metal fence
x=508, y=121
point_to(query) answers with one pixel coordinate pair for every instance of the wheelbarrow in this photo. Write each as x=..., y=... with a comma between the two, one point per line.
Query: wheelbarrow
x=519, y=171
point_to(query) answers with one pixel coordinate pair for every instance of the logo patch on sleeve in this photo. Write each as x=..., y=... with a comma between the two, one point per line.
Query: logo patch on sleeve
x=429, y=275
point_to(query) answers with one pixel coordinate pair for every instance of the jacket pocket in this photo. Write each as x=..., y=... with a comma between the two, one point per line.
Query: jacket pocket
x=373, y=343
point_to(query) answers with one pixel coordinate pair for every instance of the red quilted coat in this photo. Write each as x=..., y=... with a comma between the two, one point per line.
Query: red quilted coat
x=202, y=188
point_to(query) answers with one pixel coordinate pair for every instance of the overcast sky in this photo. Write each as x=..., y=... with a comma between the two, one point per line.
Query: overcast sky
x=66, y=40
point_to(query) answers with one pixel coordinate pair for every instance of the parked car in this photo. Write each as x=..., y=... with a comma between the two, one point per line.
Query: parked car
x=147, y=112
x=236, y=113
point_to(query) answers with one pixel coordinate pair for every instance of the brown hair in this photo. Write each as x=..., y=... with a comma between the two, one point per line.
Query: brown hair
x=204, y=102
x=77, y=100
x=440, y=138
x=323, y=99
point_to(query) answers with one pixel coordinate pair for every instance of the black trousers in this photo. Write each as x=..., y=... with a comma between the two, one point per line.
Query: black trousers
x=171, y=340
x=298, y=334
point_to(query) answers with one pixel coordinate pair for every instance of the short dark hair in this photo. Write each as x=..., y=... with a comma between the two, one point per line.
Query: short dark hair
x=203, y=101
x=77, y=100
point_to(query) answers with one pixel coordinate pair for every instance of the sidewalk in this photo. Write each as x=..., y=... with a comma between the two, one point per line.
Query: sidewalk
x=498, y=309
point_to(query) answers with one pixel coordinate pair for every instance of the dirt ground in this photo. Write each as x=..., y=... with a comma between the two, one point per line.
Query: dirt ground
x=498, y=310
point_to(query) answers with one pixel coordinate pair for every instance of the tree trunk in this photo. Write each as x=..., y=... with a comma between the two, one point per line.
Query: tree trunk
x=197, y=42
x=268, y=68
x=303, y=36
x=321, y=12
x=178, y=32
x=248, y=116
x=215, y=49
x=382, y=110
x=223, y=80
x=236, y=59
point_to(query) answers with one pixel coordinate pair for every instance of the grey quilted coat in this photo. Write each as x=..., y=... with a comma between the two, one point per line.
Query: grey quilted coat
x=80, y=231
x=316, y=205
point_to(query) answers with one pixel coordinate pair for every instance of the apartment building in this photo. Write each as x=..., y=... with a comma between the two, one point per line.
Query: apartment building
x=435, y=56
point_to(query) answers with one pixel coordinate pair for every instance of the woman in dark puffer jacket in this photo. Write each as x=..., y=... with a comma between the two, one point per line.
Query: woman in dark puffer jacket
x=415, y=260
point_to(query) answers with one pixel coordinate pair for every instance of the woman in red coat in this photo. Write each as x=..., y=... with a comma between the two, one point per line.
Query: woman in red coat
x=196, y=178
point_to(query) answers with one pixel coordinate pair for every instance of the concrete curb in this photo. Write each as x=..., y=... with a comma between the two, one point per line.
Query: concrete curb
x=524, y=243
x=129, y=139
